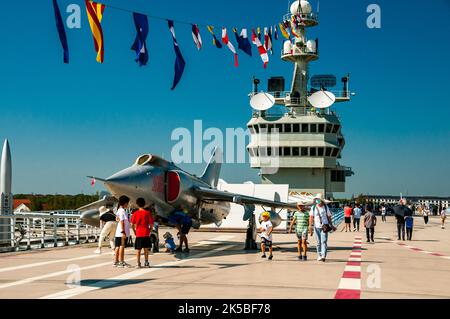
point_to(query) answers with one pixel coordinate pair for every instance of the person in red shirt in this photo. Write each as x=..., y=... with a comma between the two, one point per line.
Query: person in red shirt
x=348, y=217
x=142, y=222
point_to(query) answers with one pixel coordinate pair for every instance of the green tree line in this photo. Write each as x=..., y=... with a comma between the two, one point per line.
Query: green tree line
x=57, y=202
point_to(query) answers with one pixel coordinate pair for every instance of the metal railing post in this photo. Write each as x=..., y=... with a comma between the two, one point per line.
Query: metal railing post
x=12, y=231
x=55, y=234
x=77, y=230
x=42, y=232
x=28, y=233
x=66, y=229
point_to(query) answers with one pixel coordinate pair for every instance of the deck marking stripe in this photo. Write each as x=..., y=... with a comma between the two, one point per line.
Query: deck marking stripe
x=350, y=283
x=419, y=250
x=45, y=263
x=115, y=281
x=57, y=273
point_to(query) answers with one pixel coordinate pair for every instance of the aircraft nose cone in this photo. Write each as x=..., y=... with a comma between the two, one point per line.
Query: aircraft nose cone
x=122, y=182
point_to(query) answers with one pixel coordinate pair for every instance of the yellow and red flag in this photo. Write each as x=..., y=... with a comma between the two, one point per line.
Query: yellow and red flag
x=95, y=14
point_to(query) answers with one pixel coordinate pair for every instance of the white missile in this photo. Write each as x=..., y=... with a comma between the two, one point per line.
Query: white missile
x=6, y=180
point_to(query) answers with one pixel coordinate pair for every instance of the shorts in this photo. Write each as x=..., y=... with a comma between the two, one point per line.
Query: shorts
x=266, y=242
x=303, y=235
x=142, y=242
x=118, y=241
x=348, y=220
x=185, y=228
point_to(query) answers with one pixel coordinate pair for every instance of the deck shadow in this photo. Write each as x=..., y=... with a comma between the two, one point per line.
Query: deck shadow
x=110, y=283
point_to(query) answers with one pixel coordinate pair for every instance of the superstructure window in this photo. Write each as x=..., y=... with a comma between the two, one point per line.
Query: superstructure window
x=287, y=128
x=337, y=176
x=304, y=151
x=296, y=128
x=271, y=127
x=305, y=128
x=287, y=151
x=279, y=128
x=256, y=127
x=328, y=152
x=312, y=151
x=320, y=151
x=336, y=128
x=329, y=128
x=295, y=151
x=321, y=128
x=335, y=152
x=313, y=128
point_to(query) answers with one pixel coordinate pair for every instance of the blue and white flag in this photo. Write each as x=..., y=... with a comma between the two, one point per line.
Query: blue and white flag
x=139, y=45
x=179, y=62
x=243, y=41
x=61, y=31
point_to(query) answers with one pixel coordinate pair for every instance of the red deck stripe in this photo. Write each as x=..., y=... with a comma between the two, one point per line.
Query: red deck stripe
x=353, y=263
x=347, y=294
x=352, y=274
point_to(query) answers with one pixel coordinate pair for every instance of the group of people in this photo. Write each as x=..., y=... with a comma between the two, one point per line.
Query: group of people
x=117, y=227
x=308, y=222
x=354, y=215
x=317, y=221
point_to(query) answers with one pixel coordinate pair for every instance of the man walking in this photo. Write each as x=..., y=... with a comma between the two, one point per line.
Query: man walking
x=357, y=212
x=383, y=214
x=320, y=222
x=142, y=222
x=400, y=211
x=370, y=221
x=443, y=217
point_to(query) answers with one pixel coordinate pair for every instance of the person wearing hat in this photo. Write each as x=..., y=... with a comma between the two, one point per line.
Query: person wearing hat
x=266, y=235
x=301, y=220
x=108, y=225
x=320, y=223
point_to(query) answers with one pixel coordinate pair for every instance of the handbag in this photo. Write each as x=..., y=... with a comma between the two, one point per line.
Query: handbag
x=326, y=228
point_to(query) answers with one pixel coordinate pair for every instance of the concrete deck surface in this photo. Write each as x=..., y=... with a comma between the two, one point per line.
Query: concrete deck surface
x=218, y=267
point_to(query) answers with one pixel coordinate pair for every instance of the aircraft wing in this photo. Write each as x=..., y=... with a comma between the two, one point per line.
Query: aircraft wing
x=108, y=201
x=214, y=194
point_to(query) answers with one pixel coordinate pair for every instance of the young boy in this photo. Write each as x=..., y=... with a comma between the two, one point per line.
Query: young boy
x=142, y=221
x=122, y=232
x=409, y=223
x=301, y=220
x=169, y=243
x=266, y=235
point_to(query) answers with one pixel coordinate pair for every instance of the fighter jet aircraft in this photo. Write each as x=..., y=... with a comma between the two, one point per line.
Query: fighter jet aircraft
x=172, y=189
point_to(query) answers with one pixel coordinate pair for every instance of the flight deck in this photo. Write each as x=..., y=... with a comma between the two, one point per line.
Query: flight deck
x=219, y=268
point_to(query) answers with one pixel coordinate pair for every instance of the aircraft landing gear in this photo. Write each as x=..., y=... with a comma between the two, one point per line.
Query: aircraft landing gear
x=250, y=241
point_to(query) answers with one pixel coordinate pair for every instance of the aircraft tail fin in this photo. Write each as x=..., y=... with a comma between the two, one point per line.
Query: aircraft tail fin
x=212, y=170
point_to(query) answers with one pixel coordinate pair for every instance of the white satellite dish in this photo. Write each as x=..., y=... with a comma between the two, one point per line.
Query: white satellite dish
x=262, y=101
x=322, y=99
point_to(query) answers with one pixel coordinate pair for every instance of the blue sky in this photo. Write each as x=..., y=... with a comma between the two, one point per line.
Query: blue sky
x=68, y=121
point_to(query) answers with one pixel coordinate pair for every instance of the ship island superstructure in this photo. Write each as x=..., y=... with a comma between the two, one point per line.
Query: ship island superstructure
x=294, y=143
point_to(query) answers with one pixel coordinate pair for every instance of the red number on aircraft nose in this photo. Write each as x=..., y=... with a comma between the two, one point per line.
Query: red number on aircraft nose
x=158, y=184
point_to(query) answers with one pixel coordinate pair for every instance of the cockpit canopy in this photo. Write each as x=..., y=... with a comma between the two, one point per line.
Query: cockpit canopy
x=151, y=160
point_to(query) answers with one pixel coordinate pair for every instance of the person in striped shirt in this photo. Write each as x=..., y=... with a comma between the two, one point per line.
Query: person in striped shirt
x=301, y=220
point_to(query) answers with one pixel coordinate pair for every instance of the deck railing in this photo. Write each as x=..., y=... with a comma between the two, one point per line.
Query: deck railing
x=31, y=231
